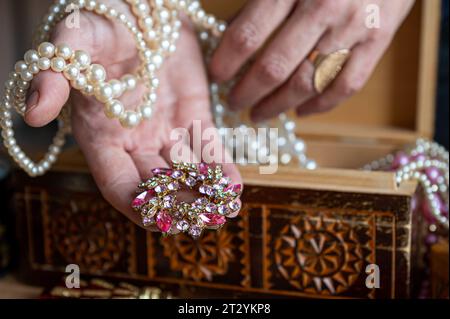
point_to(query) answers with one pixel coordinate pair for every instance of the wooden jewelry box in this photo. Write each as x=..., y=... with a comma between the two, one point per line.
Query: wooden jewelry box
x=301, y=233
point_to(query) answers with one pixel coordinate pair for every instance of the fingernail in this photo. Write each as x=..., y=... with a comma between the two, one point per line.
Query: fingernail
x=32, y=101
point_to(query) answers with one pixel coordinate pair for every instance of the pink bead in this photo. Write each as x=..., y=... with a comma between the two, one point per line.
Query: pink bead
x=400, y=160
x=418, y=157
x=433, y=174
x=164, y=221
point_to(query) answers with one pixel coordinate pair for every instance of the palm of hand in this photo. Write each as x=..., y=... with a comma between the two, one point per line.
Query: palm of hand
x=119, y=158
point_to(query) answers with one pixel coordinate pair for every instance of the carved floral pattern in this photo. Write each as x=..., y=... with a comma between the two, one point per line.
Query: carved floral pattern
x=88, y=233
x=200, y=259
x=319, y=256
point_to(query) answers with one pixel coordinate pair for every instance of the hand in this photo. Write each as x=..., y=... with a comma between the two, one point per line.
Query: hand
x=119, y=158
x=286, y=32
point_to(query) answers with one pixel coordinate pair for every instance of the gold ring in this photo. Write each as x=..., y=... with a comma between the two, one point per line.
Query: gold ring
x=327, y=67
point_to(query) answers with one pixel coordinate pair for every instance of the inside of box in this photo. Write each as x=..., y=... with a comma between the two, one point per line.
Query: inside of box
x=378, y=120
x=389, y=100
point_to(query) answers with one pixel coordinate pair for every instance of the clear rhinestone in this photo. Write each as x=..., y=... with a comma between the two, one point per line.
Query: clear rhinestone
x=223, y=210
x=177, y=174
x=147, y=221
x=160, y=188
x=195, y=231
x=182, y=225
x=235, y=206
x=211, y=208
x=173, y=186
x=202, y=189
x=190, y=181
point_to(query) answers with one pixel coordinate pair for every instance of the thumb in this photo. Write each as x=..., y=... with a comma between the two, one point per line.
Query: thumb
x=49, y=91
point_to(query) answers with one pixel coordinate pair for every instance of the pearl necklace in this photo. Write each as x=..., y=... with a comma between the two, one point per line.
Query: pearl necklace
x=428, y=163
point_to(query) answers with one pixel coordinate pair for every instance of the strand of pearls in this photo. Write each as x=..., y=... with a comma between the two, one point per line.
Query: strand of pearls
x=428, y=163
x=155, y=34
x=293, y=149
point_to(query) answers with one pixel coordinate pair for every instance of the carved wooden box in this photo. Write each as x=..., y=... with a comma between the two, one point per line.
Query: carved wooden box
x=288, y=241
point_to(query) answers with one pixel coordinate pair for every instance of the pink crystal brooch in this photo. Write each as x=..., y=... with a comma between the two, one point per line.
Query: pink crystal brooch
x=215, y=199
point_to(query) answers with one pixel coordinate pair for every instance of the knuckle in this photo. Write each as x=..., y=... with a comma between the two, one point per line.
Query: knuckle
x=301, y=83
x=272, y=70
x=326, y=5
x=245, y=38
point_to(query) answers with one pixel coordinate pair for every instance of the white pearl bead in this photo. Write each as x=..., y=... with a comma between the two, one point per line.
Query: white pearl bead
x=91, y=4
x=26, y=75
x=58, y=64
x=44, y=64
x=64, y=51
x=130, y=119
x=82, y=58
x=71, y=72
x=103, y=92
x=117, y=87
x=96, y=73
x=80, y=82
x=46, y=50
x=88, y=90
x=10, y=84
x=114, y=109
x=20, y=66
x=130, y=82
x=34, y=68
x=101, y=8
x=152, y=97
x=31, y=56
x=146, y=111
x=157, y=59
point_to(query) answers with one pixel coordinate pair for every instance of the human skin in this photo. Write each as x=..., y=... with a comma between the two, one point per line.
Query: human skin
x=279, y=35
x=119, y=159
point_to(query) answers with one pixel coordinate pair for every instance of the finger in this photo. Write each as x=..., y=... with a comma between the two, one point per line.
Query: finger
x=300, y=87
x=49, y=90
x=356, y=72
x=280, y=59
x=116, y=175
x=146, y=161
x=179, y=151
x=210, y=149
x=247, y=33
